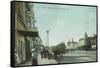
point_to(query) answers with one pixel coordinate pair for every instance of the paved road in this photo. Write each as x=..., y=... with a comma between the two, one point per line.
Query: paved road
x=77, y=56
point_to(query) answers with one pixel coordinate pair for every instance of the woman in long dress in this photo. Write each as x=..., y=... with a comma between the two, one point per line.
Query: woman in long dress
x=34, y=57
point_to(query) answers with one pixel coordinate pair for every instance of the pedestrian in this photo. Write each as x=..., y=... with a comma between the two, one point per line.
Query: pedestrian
x=34, y=57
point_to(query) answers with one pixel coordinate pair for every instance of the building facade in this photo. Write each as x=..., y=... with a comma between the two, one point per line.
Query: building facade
x=71, y=44
x=88, y=42
x=93, y=41
x=25, y=31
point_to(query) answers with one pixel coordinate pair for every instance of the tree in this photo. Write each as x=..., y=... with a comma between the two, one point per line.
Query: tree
x=59, y=49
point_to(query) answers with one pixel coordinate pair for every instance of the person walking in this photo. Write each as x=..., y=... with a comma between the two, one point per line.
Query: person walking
x=34, y=57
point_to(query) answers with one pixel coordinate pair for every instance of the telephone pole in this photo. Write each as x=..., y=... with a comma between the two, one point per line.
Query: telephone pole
x=47, y=42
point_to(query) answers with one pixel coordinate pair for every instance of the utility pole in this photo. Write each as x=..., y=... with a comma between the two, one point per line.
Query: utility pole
x=47, y=43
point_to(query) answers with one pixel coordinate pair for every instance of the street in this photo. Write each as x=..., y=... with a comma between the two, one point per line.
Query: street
x=77, y=56
x=70, y=57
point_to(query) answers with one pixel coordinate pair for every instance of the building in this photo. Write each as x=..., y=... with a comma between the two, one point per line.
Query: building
x=71, y=44
x=87, y=42
x=26, y=33
x=93, y=41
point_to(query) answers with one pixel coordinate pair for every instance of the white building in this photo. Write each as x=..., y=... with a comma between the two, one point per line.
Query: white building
x=71, y=44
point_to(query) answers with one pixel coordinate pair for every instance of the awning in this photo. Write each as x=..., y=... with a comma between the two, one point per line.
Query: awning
x=29, y=33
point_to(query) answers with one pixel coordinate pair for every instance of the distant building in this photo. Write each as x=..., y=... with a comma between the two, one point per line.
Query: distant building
x=93, y=41
x=82, y=41
x=88, y=42
x=71, y=44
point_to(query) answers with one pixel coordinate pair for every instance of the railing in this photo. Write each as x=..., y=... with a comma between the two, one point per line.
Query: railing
x=29, y=13
x=35, y=29
x=20, y=20
x=22, y=24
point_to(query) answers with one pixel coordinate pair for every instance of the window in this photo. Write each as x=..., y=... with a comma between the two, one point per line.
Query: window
x=28, y=21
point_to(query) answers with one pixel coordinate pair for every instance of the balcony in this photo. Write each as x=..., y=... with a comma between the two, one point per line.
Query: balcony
x=31, y=32
x=20, y=25
x=35, y=29
x=29, y=13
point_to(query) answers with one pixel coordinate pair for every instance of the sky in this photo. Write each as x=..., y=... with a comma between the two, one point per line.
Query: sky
x=64, y=22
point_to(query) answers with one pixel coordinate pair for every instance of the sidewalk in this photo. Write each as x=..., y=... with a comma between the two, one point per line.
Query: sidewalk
x=29, y=62
x=42, y=61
